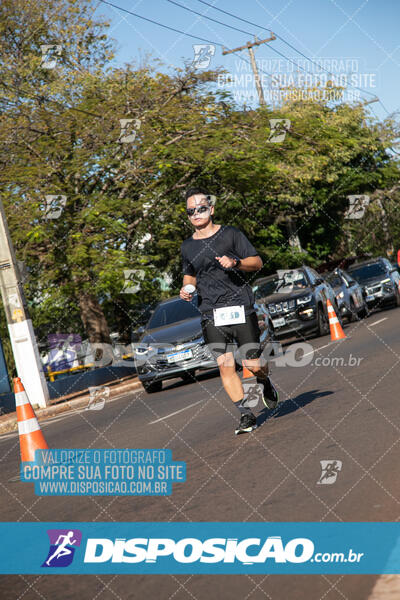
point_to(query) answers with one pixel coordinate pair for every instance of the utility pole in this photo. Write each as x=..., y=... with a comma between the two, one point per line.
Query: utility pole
x=249, y=46
x=366, y=102
x=22, y=335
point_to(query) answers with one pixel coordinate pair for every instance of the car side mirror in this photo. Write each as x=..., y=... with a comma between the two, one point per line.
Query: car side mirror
x=319, y=281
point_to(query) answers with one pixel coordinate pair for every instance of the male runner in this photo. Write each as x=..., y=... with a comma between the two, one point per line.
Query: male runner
x=214, y=260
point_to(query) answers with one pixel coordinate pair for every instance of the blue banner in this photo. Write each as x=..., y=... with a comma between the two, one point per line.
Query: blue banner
x=209, y=548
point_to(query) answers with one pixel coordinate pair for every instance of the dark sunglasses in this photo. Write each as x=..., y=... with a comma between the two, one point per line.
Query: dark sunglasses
x=200, y=209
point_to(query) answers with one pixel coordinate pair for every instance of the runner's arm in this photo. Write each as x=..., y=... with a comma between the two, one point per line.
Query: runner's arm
x=251, y=263
x=189, y=279
x=186, y=280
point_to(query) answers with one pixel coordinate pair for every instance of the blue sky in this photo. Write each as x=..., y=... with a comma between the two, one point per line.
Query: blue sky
x=358, y=40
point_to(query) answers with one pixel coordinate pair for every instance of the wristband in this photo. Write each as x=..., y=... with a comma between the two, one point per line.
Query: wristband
x=237, y=263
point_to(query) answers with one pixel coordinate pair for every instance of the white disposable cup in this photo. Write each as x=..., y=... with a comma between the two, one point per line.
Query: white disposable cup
x=189, y=288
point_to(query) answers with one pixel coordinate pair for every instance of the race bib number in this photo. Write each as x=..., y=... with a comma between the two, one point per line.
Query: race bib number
x=229, y=315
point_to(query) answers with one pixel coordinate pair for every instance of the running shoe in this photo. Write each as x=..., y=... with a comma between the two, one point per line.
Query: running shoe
x=270, y=394
x=247, y=424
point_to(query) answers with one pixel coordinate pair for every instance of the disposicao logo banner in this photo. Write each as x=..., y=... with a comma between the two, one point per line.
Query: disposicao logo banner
x=211, y=548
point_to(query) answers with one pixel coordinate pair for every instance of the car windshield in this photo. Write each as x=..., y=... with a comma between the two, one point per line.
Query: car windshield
x=367, y=271
x=285, y=281
x=333, y=279
x=172, y=312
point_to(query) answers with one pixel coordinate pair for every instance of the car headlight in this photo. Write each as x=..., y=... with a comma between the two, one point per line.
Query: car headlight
x=304, y=299
x=143, y=349
x=388, y=285
x=340, y=295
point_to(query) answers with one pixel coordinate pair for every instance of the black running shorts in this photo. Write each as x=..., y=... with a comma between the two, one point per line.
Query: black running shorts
x=246, y=335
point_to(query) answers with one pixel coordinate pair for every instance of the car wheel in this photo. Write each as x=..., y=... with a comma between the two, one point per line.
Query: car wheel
x=363, y=313
x=323, y=323
x=188, y=376
x=354, y=315
x=152, y=387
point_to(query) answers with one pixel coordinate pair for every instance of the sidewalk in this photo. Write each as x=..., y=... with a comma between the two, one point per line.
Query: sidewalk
x=70, y=402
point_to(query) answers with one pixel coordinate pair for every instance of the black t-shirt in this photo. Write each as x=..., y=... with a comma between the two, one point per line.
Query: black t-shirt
x=216, y=286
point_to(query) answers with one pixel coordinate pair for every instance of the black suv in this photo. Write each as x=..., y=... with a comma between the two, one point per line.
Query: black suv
x=296, y=301
x=172, y=344
x=380, y=281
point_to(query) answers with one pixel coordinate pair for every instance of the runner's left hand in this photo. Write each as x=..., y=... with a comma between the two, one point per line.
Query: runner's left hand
x=226, y=262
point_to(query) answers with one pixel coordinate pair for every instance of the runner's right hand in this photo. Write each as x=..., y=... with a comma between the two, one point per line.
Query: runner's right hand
x=185, y=295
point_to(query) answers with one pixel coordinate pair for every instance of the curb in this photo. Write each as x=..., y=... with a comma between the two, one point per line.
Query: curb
x=11, y=424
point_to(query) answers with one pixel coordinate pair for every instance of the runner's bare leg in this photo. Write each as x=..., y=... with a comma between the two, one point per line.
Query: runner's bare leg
x=258, y=367
x=230, y=379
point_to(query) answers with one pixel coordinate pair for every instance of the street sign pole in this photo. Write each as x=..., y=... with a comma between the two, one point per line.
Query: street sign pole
x=22, y=335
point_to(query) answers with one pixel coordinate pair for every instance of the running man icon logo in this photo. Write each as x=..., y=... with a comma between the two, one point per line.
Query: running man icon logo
x=357, y=206
x=253, y=394
x=62, y=547
x=50, y=54
x=278, y=129
x=202, y=55
x=330, y=470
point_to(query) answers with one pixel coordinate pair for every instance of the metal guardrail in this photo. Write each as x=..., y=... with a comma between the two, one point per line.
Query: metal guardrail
x=52, y=374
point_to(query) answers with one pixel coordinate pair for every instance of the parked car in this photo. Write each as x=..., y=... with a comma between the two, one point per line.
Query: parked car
x=140, y=319
x=296, y=301
x=349, y=294
x=380, y=282
x=396, y=267
x=172, y=344
x=264, y=323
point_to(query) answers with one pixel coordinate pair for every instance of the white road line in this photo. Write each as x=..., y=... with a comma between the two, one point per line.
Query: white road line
x=176, y=412
x=69, y=413
x=380, y=321
x=316, y=349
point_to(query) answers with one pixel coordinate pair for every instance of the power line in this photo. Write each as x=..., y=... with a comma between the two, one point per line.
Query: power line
x=285, y=42
x=222, y=45
x=231, y=27
x=177, y=30
x=209, y=18
x=383, y=106
x=159, y=24
x=266, y=29
x=234, y=16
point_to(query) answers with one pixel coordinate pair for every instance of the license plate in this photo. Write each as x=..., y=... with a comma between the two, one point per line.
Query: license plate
x=278, y=322
x=369, y=298
x=179, y=356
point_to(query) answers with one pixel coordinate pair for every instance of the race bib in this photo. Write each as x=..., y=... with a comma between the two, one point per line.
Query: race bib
x=229, y=315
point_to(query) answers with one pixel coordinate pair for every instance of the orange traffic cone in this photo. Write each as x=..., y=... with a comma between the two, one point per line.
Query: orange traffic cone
x=247, y=373
x=30, y=435
x=337, y=332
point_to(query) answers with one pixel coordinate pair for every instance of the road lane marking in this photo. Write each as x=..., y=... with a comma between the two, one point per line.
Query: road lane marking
x=316, y=349
x=176, y=412
x=72, y=412
x=380, y=321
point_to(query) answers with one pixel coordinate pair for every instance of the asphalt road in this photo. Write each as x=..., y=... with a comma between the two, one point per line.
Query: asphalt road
x=331, y=411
